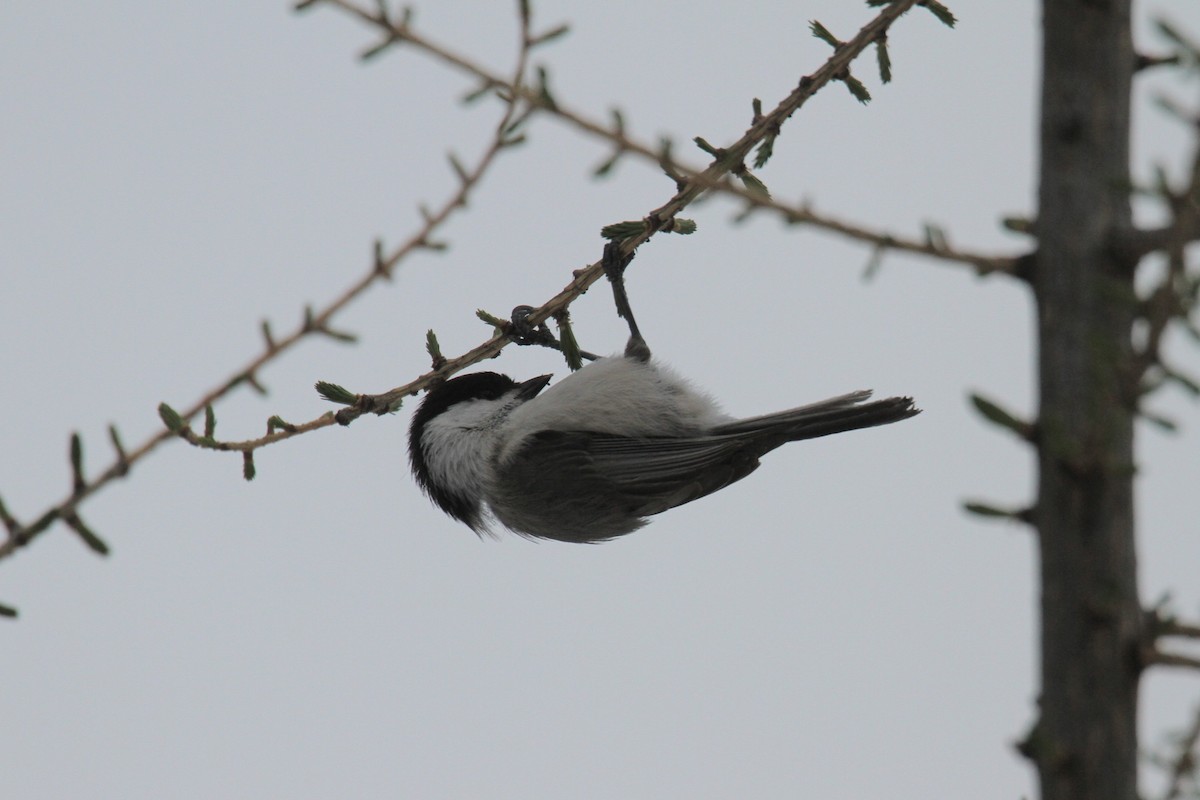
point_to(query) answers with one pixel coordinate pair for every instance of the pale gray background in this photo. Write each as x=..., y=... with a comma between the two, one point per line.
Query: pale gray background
x=834, y=627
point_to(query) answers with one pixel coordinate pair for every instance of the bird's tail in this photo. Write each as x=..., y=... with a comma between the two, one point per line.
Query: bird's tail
x=847, y=412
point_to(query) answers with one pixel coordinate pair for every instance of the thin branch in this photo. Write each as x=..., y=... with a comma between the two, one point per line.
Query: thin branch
x=313, y=323
x=1172, y=627
x=937, y=249
x=1173, y=301
x=403, y=33
x=515, y=112
x=1160, y=624
x=1160, y=658
x=276, y=433
x=1170, y=302
x=690, y=187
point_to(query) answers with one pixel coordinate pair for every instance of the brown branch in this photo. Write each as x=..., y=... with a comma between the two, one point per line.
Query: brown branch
x=1175, y=298
x=502, y=136
x=396, y=33
x=1183, y=204
x=1157, y=657
x=690, y=187
x=249, y=445
x=314, y=323
x=1171, y=302
x=1160, y=624
x=1172, y=627
x=941, y=250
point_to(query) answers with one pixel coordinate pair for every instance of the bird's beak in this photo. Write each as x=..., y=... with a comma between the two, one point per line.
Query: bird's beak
x=530, y=388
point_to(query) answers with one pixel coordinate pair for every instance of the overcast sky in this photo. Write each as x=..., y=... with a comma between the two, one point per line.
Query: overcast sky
x=834, y=626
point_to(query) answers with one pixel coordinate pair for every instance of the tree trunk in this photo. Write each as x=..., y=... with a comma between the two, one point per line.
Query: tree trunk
x=1085, y=743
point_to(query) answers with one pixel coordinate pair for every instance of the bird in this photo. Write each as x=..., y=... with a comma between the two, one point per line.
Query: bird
x=590, y=458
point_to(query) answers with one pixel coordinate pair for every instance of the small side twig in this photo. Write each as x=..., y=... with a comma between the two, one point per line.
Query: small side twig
x=1182, y=766
x=1160, y=624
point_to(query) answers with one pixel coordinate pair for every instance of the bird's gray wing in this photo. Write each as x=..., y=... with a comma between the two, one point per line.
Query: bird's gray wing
x=673, y=471
x=608, y=482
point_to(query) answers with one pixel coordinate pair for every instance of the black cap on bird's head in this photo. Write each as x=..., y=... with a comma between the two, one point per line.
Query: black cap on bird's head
x=472, y=386
x=438, y=400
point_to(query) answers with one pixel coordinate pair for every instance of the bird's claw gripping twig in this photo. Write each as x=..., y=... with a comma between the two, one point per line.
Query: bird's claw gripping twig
x=614, y=262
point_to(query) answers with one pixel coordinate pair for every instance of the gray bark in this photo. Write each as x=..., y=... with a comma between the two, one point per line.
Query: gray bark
x=1085, y=743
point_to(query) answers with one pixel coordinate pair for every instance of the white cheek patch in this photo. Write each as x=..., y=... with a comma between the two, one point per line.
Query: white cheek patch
x=453, y=456
x=459, y=444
